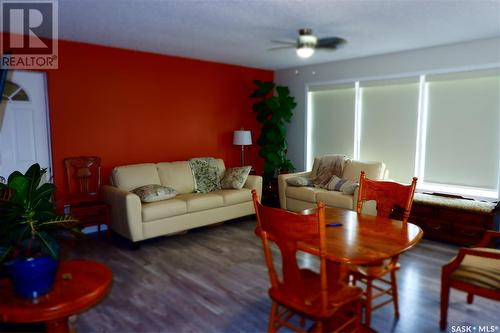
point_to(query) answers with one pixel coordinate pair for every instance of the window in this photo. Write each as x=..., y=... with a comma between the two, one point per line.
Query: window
x=389, y=113
x=13, y=92
x=332, y=125
x=463, y=142
x=443, y=128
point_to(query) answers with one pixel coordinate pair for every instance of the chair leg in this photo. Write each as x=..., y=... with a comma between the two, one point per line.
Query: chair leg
x=271, y=327
x=368, y=302
x=470, y=298
x=359, y=312
x=395, y=300
x=445, y=297
x=319, y=327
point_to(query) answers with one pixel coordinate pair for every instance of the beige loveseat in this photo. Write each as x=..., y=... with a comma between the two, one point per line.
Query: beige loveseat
x=138, y=221
x=296, y=198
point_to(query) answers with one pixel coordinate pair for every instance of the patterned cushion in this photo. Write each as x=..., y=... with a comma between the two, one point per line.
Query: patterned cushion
x=205, y=173
x=152, y=193
x=479, y=271
x=300, y=181
x=345, y=186
x=235, y=177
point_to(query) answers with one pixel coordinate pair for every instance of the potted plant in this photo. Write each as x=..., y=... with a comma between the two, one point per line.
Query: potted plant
x=273, y=107
x=28, y=230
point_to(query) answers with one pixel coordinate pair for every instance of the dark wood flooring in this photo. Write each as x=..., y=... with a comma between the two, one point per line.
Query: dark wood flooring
x=214, y=280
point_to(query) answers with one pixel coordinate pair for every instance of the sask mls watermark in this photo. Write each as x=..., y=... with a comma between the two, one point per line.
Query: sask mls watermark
x=30, y=34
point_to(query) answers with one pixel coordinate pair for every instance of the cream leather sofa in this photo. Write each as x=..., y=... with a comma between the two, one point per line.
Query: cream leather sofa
x=296, y=198
x=138, y=221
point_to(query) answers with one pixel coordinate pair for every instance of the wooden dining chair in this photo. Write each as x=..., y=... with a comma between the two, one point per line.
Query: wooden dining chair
x=475, y=271
x=83, y=176
x=302, y=292
x=392, y=199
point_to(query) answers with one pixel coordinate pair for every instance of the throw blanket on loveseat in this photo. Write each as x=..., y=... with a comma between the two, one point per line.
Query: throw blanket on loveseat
x=328, y=166
x=205, y=174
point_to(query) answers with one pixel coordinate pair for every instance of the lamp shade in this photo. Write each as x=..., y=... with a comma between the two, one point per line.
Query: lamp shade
x=242, y=138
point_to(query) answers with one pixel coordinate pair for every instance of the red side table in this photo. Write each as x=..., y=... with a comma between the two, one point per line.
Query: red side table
x=80, y=284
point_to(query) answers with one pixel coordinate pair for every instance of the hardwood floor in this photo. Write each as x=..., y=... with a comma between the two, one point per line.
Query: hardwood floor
x=214, y=280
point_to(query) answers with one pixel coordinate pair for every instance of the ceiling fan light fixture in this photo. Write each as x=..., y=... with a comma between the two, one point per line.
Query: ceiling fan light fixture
x=305, y=51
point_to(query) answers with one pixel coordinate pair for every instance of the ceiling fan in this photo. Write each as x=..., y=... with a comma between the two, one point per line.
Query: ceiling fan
x=306, y=43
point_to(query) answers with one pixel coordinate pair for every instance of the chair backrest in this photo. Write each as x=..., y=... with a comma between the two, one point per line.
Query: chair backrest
x=286, y=229
x=83, y=176
x=388, y=195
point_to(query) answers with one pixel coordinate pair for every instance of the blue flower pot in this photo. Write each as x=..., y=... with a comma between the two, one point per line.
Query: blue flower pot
x=32, y=277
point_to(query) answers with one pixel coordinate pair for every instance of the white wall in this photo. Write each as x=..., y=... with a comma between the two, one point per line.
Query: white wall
x=476, y=54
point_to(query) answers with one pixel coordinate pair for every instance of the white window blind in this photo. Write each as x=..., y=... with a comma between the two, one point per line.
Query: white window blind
x=389, y=113
x=462, y=142
x=332, y=120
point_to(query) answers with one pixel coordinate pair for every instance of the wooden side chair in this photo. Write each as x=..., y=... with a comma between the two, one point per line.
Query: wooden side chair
x=83, y=175
x=475, y=271
x=300, y=291
x=391, y=198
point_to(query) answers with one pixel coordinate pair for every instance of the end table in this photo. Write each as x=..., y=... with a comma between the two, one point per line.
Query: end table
x=80, y=284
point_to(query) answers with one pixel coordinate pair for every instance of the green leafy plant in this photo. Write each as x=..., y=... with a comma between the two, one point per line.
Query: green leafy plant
x=28, y=224
x=273, y=107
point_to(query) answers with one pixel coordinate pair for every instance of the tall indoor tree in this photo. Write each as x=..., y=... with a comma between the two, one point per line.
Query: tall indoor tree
x=273, y=107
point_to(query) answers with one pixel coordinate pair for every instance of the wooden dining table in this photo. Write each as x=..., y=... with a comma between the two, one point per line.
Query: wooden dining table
x=360, y=239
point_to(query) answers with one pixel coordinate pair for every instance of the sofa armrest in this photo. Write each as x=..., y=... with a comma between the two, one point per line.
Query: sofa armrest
x=254, y=183
x=126, y=212
x=282, y=184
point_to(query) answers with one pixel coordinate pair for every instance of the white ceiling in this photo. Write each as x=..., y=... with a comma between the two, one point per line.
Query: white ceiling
x=239, y=31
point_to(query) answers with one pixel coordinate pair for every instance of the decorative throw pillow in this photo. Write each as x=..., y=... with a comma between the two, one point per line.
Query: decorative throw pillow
x=152, y=193
x=345, y=186
x=205, y=173
x=235, y=177
x=300, y=181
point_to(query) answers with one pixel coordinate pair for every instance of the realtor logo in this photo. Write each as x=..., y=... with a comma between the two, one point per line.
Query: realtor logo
x=29, y=38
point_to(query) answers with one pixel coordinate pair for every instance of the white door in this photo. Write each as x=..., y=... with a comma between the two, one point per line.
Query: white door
x=24, y=134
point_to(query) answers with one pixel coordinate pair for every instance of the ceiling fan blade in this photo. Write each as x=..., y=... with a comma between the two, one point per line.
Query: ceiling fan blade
x=330, y=42
x=281, y=48
x=284, y=42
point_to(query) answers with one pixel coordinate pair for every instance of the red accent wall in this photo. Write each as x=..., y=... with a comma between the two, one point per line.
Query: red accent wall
x=134, y=107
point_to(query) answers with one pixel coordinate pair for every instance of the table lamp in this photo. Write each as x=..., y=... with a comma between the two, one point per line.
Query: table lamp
x=242, y=138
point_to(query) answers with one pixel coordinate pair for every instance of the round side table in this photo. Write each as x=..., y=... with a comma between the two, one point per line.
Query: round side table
x=80, y=284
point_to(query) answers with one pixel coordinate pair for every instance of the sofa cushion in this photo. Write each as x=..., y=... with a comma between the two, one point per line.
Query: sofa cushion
x=373, y=170
x=129, y=177
x=336, y=199
x=161, y=209
x=201, y=201
x=177, y=175
x=479, y=271
x=152, y=193
x=235, y=178
x=233, y=197
x=303, y=193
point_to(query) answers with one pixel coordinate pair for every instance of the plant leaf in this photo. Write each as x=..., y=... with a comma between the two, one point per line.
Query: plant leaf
x=49, y=244
x=4, y=252
x=12, y=176
x=20, y=186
